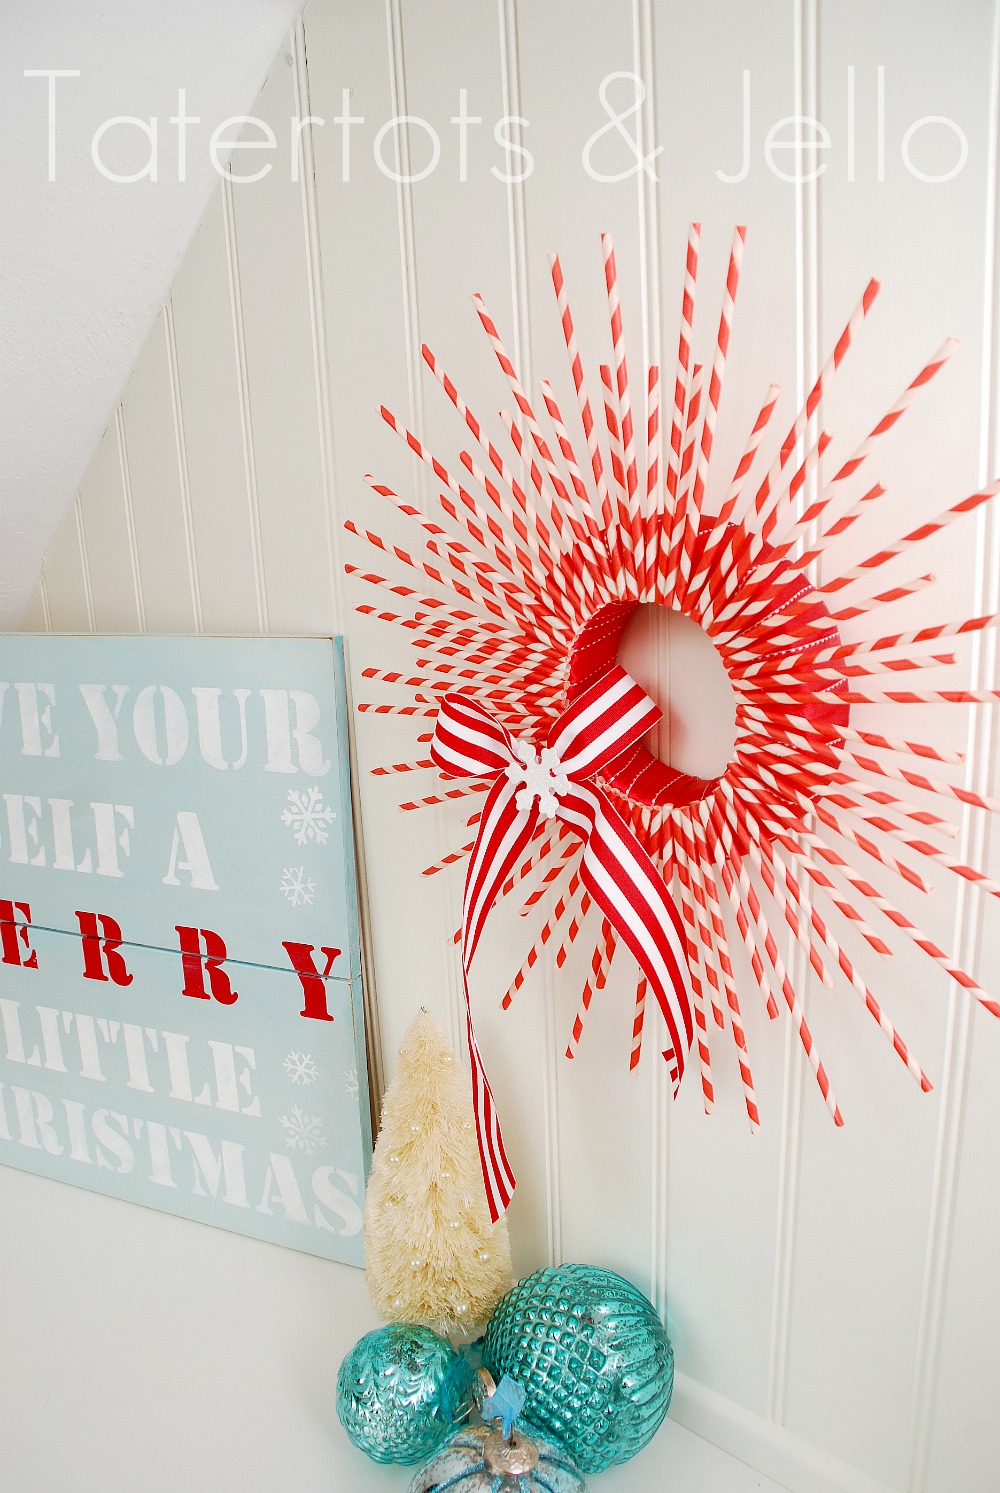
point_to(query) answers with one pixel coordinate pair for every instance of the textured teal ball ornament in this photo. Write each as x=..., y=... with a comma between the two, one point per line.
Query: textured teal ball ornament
x=391, y=1393
x=480, y=1460
x=593, y=1357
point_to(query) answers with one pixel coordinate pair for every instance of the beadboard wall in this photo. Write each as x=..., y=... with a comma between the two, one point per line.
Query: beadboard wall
x=833, y=1295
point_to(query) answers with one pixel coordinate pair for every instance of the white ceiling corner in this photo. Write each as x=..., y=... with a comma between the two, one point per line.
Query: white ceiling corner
x=88, y=262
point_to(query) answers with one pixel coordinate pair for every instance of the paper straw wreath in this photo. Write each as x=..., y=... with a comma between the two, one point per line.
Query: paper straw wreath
x=536, y=565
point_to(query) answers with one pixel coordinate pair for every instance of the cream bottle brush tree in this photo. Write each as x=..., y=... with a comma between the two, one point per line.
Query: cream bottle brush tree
x=432, y=1254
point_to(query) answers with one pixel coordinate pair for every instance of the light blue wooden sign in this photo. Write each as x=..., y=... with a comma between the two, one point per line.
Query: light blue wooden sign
x=181, y=1013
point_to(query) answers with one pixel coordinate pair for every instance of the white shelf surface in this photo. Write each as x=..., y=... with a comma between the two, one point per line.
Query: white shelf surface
x=170, y=1355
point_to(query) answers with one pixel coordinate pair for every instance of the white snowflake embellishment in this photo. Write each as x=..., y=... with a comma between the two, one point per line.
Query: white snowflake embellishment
x=541, y=775
x=307, y=815
x=351, y=1083
x=300, y=1068
x=302, y=1132
x=297, y=886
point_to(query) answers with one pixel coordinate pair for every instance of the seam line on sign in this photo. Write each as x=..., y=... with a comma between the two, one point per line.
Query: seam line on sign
x=243, y=389
x=651, y=292
x=183, y=470
x=974, y=842
x=159, y=948
x=81, y=539
x=133, y=547
x=510, y=77
x=328, y=453
x=806, y=74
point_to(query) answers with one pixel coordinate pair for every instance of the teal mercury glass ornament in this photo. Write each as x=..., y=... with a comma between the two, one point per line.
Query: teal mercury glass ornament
x=483, y=1460
x=393, y=1393
x=592, y=1356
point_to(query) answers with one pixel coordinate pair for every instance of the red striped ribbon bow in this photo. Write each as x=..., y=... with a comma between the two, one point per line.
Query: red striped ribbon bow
x=603, y=721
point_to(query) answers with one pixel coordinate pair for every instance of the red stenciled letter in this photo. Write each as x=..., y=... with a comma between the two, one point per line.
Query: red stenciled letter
x=101, y=960
x=313, y=983
x=13, y=934
x=197, y=965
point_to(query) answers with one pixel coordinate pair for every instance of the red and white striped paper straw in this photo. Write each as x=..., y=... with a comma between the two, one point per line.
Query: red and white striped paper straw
x=884, y=598
x=600, y=963
x=670, y=561
x=929, y=785
x=915, y=536
x=739, y=912
x=715, y=384
x=529, y=524
x=583, y=400
x=699, y=911
x=479, y=586
x=789, y=790
x=828, y=940
x=815, y=396
x=695, y=850
x=622, y=520
x=548, y=928
x=638, y=1024
x=624, y=398
x=714, y=546
x=787, y=989
x=883, y=426
x=652, y=512
x=899, y=919
x=795, y=723
x=681, y=381
x=591, y=533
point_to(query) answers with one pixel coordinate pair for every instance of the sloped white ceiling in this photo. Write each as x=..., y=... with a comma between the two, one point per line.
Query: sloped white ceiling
x=88, y=261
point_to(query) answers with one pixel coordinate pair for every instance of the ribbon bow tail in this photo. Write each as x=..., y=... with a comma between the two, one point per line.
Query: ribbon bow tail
x=601, y=723
x=469, y=741
x=629, y=889
x=504, y=831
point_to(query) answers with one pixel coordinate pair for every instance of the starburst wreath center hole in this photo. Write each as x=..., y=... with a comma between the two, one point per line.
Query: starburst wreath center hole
x=679, y=667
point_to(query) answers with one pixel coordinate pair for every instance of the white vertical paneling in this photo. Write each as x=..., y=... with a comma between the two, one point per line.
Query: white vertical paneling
x=237, y=315
x=396, y=160
x=66, y=583
x=183, y=468
x=953, y=1428
x=808, y=364
x=127, y=503
x=35, y=618
x=210, y=409
x=155, y=480
x=107, y=541
x=832, y=1294
x=283, y=424
x=873, y=1199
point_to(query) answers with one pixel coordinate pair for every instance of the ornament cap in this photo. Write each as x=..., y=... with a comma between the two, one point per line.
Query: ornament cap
x=514, y=1458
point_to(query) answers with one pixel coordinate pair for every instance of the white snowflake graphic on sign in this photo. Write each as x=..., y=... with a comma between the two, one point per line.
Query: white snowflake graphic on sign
x=300, y=1068
x=351, y=1083
x=296, y=885
x=307, y=815
x=302, y=1132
